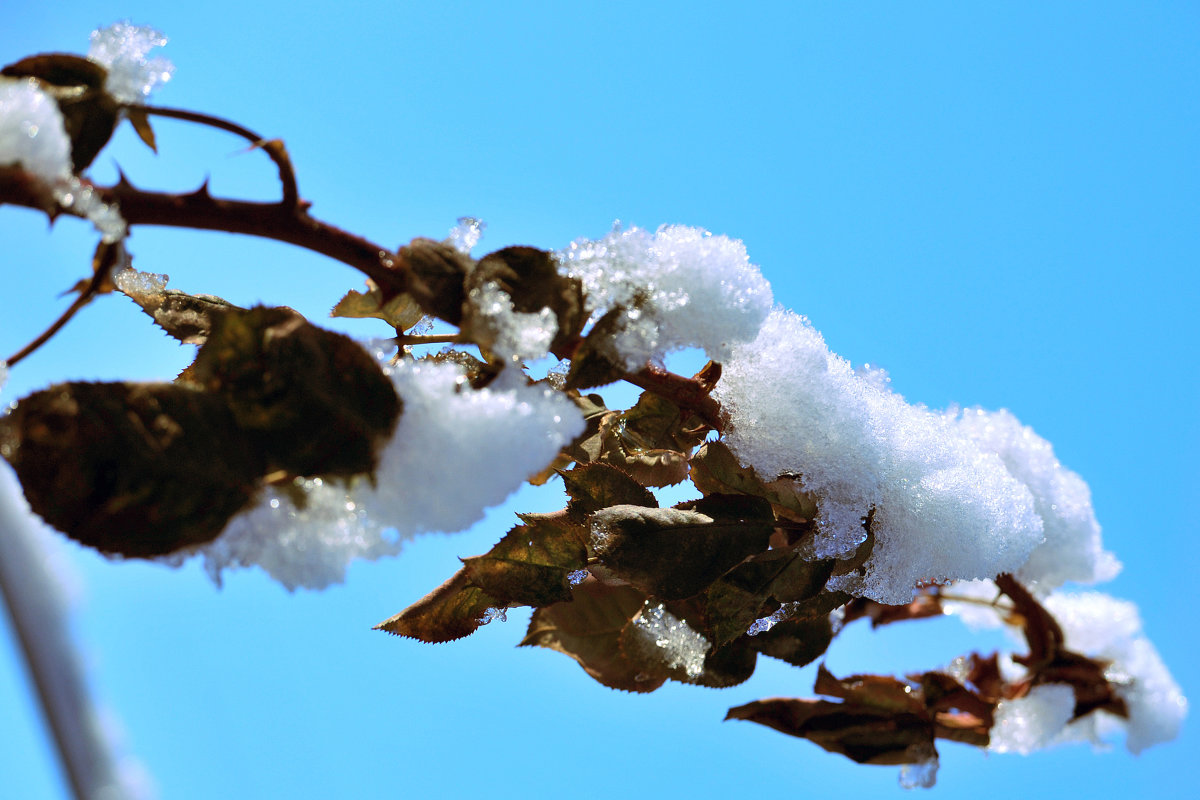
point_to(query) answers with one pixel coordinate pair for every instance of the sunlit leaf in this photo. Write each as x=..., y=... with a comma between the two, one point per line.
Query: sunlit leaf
x=438, y=275
x=453, y=610
x=716, y=470
x=401, y=311
x=140, y=121
x=530, y=565
x=864, y=734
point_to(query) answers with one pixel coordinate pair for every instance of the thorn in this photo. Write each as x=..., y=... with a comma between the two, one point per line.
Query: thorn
x=202, y=193
x=123, y=181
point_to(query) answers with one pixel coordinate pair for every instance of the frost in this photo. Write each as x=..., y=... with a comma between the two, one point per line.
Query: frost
x=659, y=632
x=122, y=49
x=577, y=577
x=466, y=234
x=455, y=452
x=679, y=287
x=31, y=130
x=1032, y=722
x=944, y=507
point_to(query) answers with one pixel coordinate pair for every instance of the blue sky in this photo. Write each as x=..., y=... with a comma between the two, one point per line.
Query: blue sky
x=997, y=204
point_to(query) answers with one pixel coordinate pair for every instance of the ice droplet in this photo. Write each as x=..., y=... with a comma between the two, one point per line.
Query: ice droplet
x=577, y=577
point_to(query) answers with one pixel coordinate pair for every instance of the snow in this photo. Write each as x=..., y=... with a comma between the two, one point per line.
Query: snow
x=944, y=507
x=31, y=130
x=679, y=287
x=122, y=49
x=1072, y=549
x=1032, y=722
x=515, y=336
x=455, y=452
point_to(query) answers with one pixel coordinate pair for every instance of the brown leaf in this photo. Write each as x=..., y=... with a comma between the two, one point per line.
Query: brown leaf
x=798, y=640
x=314, y=400
x=716, y=470
x=588, y=629
x=651, y=441
x=530, y=565
x=134, y=469
x=923, y=606
x=531, y=278
x=438, y=276
x=186, y=317
x=140, y=121
x=453, y=610
x=757, y=586
x=674, y=553
x=875, y=691
x=593, y=487
x=592, y=363
x=862, y=733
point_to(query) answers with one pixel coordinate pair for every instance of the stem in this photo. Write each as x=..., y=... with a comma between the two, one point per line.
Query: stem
x=39, y=621
x=82, y=300
x=272, y=147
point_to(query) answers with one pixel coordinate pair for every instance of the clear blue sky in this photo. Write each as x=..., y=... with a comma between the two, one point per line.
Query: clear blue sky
x=996, y=202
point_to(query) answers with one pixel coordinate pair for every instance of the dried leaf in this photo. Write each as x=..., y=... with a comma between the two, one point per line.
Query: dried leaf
x=651, y=441
x=675, y=553
x=716, y=470
x=588, y=629
x=140, y=121
x=593, y=487
x=438, y=274
x=134, y=469
x=864, y=734
x=529, y=566
x=754, y=588
x=314, y=400
x=798, y=641
x=186, y=317
x=401, y=311
x=453, y=610
x=531, y=278
x=592, y=363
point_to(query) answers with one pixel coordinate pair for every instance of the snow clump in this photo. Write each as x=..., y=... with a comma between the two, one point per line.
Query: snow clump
x=31, y=131
x=677, y=287
x=456, y=451
x=944, y=507
x=122, y=50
